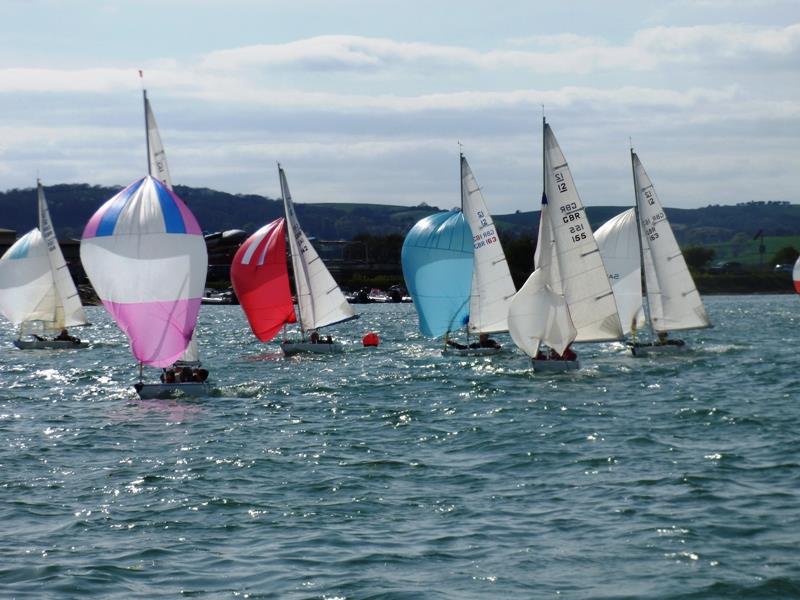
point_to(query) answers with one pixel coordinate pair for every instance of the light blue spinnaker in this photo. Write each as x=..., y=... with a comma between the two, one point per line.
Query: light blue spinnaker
x=437, y=259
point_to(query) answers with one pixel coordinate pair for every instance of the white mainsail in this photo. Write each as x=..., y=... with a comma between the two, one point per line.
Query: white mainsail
x=673, y=300
x=570, y=276
x=492, y=286
x=618, y=240
x=319, y=299
x=157, y=167
x=37, y=287
x=156, y=155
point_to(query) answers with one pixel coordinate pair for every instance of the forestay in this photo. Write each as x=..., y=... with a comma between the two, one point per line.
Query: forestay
x=437, y=259
x=673, y=299
x=618, y=240
x=261, y=281
x=319, y=299
x=146, y=258
x=492, y=286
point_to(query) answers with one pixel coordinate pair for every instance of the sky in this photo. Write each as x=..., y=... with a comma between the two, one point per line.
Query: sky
x=368, y=100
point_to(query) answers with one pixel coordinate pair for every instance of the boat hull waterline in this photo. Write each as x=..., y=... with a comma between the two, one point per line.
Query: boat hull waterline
x=160, y=391
x=554, y=366
x=292, y=348
x=49, y=345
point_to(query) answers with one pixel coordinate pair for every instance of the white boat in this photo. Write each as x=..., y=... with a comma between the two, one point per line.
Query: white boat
x=37, y=293
x=146, y=257
x=568, y=297
x=260, y=279
x=643, y=236
x=796, y=275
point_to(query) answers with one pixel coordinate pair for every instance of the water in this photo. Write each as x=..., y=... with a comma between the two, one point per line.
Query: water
x=398, y=473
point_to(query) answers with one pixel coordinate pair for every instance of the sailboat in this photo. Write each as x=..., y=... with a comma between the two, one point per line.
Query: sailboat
x=568, y=297
x=492, y=286
x=261, y=282
x=146, y=258
x=672, y=300
x=37, y=293
x=796, y=275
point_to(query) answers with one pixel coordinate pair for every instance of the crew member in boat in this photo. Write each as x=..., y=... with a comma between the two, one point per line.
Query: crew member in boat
x=663, y=339
x=314, y=337
x=568, y=354
x=484, y=341
x=64, y=336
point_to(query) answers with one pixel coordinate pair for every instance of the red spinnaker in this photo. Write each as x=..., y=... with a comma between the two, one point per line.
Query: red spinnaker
x=261, y=280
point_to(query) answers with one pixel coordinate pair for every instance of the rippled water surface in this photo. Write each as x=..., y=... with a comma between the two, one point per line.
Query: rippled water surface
x=394, y=472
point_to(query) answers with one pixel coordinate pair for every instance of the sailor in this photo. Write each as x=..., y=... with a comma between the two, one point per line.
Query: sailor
x=484, y=341
x=64, y=336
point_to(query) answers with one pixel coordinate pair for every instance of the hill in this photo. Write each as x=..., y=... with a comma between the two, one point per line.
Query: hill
x=71, y=205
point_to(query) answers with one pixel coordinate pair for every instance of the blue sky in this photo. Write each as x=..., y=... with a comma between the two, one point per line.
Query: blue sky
x=366, y=101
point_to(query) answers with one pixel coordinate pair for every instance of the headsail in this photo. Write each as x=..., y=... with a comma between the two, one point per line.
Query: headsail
x=673, y=299
x=618, y=240
x=492, y=286
x=261, y=281
x=319, y=299
x=146, y=258
x=437, y=260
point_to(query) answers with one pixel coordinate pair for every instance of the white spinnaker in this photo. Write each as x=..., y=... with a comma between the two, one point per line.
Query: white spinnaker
x=155, y=147
x=27, y=292
x=68, y=310
x=319, y=299
x=673, y=299
x=538, y=311
x=492, y=286
x=584, y=280
x=618, y=240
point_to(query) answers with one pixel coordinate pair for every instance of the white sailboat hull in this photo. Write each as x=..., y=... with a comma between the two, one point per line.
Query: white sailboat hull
x=49, y=345
x=471, y=351
x=651, y=349
x=291, y=348
x=554, y=366
x=153, y=391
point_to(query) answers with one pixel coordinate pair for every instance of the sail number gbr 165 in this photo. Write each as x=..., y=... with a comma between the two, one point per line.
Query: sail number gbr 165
x=571, y=215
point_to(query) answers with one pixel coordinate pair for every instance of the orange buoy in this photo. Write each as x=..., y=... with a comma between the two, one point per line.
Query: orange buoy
x=371, y=339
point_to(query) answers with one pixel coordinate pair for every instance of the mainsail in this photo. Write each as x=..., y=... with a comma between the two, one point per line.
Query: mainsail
x=618, y=240
x=492, y=286
x=320, y=301
x=146, y=258
x=673, y=300
x=572, y=278
x=156, y=155
x=261, y=281
x=438, y=259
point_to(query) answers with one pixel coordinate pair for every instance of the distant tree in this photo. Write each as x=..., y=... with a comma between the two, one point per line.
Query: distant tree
x=698, y=257
x=786, y=255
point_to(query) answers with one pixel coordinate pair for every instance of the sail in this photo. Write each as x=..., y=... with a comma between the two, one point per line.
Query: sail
x=618, y=240
x=539, y=312
x=796, y=275
x=437, y=259
x=319, y=299
x=27, y=292
x=492, y=286
x=69, y=310
x=156, y=155
x=584, y=280
x=673, y=299
x=261, y=280
x=146, y=258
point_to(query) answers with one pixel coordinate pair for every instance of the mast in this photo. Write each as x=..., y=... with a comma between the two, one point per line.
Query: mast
x=646, y=304
x=146, y=131
x=290, y=231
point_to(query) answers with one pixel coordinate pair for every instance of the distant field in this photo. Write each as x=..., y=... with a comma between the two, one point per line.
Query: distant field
x=746, y=252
